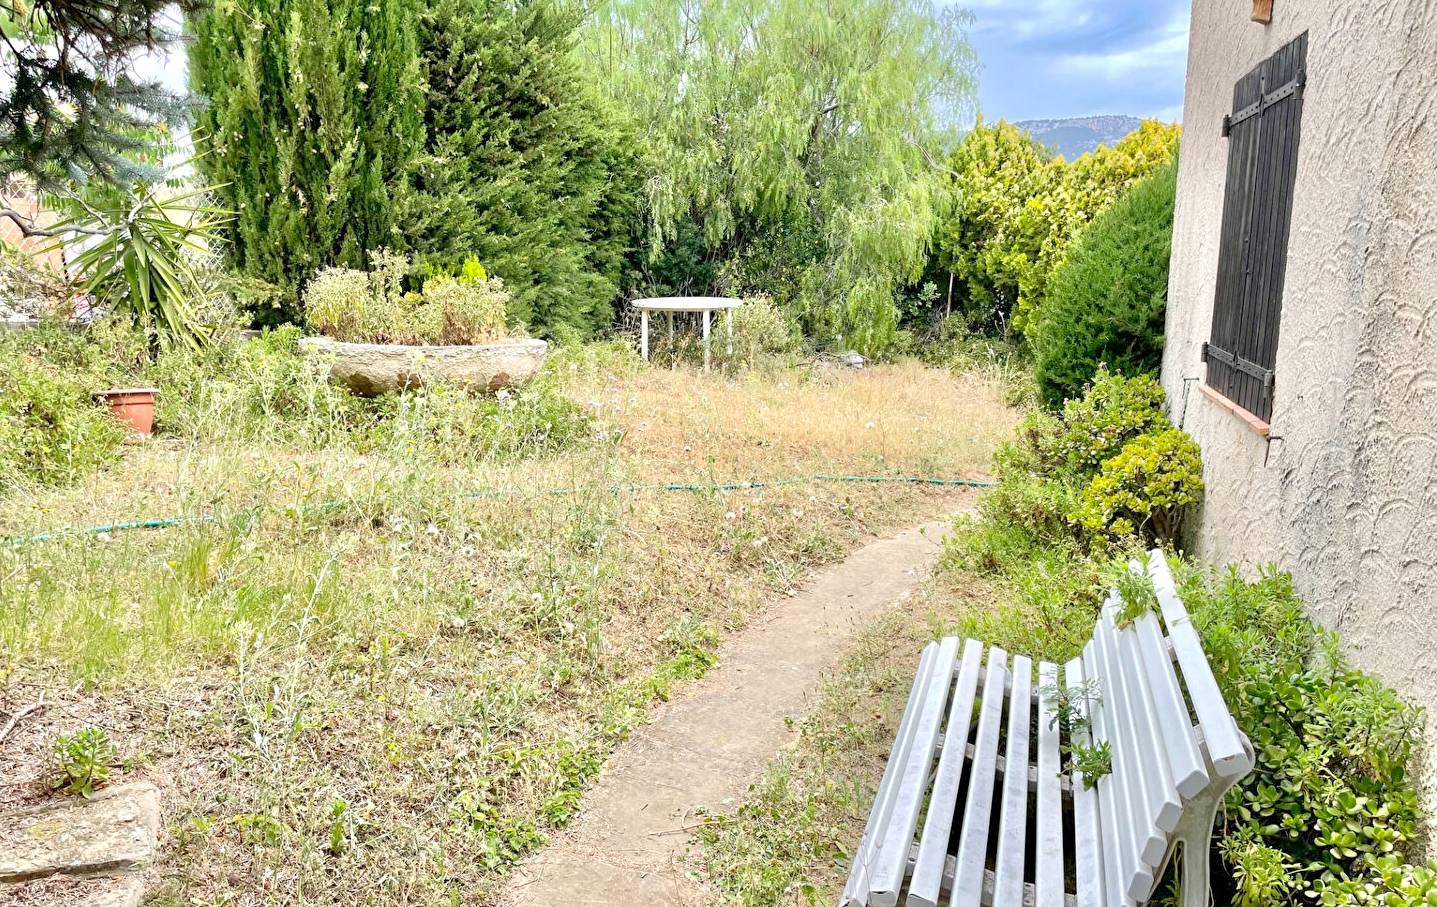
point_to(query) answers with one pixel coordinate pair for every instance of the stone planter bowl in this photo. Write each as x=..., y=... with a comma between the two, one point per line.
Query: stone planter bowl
x=370, y=369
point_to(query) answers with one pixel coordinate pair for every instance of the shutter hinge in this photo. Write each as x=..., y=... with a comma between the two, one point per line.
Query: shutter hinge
x=1233, y=361
x=1265, y=99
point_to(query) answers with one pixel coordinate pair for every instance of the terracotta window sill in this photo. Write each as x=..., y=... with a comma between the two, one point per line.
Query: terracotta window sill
x=1259, y=427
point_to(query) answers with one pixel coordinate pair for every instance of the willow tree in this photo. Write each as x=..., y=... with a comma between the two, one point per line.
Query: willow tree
x=313, y=121
x=795, y=137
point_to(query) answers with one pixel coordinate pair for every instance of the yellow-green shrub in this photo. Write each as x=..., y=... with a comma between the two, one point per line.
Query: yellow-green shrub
x=1144, y=490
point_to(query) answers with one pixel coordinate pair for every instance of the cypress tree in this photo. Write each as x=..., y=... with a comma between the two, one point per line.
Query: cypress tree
x=525, y=166
x=1108, y=299
x=312, y=123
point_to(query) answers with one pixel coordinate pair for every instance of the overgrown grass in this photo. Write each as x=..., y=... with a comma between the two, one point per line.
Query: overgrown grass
x=359, y=683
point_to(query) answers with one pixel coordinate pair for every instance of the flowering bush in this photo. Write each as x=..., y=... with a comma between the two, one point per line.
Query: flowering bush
x=372, y=307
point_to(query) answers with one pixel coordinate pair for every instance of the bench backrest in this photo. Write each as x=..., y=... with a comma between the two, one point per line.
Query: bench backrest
x=1160, y=757
x=1147, y=692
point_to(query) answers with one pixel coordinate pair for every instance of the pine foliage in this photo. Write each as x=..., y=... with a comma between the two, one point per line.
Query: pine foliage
x=1107, y=301
x=70, y=111
x=313, y=119
x=525, y=166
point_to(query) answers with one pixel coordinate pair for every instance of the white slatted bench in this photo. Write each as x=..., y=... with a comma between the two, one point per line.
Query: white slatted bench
x=974, y=808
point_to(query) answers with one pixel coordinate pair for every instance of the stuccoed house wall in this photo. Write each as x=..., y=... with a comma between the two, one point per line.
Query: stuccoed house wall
x=1344, y=492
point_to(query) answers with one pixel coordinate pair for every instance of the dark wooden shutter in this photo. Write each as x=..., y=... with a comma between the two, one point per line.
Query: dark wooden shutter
x=1263, y=131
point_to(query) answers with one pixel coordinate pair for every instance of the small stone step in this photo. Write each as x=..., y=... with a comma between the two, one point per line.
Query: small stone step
x=115, y=830
x=65, y=891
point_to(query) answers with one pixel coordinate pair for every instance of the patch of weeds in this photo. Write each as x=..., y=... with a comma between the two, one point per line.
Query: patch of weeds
x=694, y=647
x=260, y=829
x=341, y=827
x=503, y=838
x=1072, y=711
x=575, y=768
x=1135, y=590
x=84, y=760
x=1092, y=762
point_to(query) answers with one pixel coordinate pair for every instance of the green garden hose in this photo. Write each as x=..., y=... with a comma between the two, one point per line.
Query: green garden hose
x=167, y=522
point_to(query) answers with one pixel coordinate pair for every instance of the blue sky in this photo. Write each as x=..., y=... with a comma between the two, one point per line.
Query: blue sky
x=1063, y=58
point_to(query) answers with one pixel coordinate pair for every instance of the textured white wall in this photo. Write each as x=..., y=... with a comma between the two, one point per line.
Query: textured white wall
x=1345, y=494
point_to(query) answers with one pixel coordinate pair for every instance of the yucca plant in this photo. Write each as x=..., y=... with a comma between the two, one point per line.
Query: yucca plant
x=139, y=260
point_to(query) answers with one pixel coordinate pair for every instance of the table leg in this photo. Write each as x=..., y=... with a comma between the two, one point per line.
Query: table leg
x=644, y=334
x=707, y=313
x=671, y=328
x=728, y=321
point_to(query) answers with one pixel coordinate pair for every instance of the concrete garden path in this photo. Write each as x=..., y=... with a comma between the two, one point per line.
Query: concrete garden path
x=702, y=750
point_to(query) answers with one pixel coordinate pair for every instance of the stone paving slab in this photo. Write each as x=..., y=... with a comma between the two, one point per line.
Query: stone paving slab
x=115, y=830
x=66, y=891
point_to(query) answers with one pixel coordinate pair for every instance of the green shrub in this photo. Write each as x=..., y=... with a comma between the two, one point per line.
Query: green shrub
x=1328, y=801
x=464, y=311
x=1109, y=469
x=1112, y=411
x=1144, y=491
x=51, y=429
x=340, y=303
x=1106, y=301
x=761, y=333
x=1391, y=884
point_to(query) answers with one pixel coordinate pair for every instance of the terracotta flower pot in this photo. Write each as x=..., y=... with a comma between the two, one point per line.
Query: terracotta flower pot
x=133, y=406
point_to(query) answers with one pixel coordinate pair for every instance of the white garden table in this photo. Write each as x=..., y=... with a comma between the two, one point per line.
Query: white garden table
x=671, y=304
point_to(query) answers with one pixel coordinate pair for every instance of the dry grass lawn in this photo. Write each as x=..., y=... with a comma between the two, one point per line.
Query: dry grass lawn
x=357, y=682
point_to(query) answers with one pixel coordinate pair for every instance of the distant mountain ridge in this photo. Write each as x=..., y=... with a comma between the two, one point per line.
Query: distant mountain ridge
x=1074, y=136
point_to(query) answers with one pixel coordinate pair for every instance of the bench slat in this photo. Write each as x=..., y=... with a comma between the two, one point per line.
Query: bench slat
x=1185, y=762
x=1131, y=768
x=911, y=785
x=926, y=887
x=1087, y=826
x=1220, y=733
x=1119, y=852
x=855, y=892
x=1049, y=863
x=1013, y=823
x=1148, y=737
x=973, y=842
